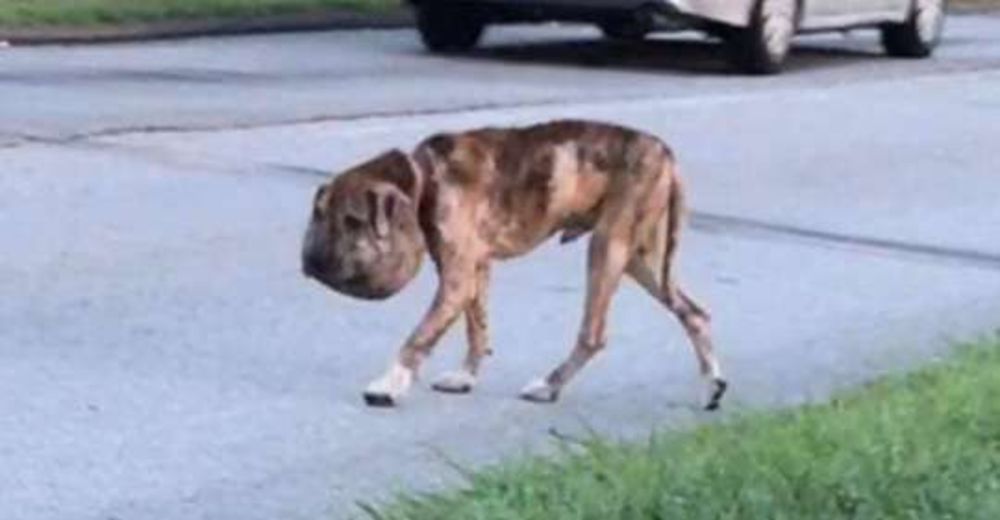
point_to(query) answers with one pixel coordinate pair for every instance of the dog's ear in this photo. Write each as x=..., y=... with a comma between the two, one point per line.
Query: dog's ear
x=321, y=200
x=382, y=206
x=376, y=215
x=396, y=168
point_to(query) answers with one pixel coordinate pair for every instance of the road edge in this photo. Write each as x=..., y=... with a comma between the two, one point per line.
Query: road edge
x=323, y=20
x=327, y=19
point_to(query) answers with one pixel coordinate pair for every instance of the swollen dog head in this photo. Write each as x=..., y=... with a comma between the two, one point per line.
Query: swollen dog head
x=363, y=238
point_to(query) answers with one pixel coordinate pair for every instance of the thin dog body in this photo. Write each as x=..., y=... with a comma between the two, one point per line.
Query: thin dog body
x=489, y=194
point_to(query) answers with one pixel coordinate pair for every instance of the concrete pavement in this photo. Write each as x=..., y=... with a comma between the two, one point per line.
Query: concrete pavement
x=226, y=82
x=161, y=356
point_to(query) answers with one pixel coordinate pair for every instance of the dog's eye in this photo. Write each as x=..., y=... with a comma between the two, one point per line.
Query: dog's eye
x=352, y=223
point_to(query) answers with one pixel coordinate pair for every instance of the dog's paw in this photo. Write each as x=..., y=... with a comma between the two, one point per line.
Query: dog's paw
x=379, y=400
x=389, y=389
x=716, y=390
x=540, y=391
x=456, y=382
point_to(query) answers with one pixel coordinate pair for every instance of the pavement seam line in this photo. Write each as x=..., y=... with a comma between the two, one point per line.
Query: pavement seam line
x=711, y=223
x=753, y=228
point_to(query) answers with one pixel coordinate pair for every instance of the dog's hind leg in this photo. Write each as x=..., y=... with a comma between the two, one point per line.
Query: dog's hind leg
x=693, y=317
x=608, y=255
x=477, y=330
x=696, y=322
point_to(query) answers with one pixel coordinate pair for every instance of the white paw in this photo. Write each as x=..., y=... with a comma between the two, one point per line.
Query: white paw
x=390, y=388
x=456, y=382
x=540, y=391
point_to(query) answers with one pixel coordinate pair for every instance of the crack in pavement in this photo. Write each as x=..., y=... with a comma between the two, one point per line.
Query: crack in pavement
x=13, y=140
x=299, y=170
x=752, y=228
x=150, y=129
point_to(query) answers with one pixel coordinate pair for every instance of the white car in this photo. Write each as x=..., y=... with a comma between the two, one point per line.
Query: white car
x=758, y=33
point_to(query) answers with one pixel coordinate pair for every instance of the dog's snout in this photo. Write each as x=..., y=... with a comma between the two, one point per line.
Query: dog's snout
x=313, y=263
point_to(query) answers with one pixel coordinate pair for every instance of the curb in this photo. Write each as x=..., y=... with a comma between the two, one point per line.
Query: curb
x=325, y=20
x=309, y=21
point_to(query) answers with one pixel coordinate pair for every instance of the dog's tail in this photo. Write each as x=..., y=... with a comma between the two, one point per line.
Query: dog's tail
x=675, y=221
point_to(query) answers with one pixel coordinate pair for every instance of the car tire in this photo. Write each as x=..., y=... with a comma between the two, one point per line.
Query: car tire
x=919, y=34
x=626, y=31
x=449, y=27
x=761, y=47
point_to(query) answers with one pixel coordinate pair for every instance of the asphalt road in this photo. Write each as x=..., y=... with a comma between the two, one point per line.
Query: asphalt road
x=161, y=357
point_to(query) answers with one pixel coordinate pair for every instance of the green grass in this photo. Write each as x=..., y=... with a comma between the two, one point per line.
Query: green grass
x=922, y=446
x=26, y=13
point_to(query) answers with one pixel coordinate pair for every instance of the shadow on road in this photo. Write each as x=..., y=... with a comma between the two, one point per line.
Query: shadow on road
x=667, y=55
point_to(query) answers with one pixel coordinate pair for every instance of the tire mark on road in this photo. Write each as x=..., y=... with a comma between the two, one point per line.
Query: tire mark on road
x=731, y=225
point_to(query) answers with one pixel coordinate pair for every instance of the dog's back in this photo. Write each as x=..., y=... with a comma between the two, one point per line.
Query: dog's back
x=538, y=180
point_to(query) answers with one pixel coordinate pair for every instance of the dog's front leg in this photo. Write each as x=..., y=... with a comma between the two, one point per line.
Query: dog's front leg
x=477, y=331
x=453, y=295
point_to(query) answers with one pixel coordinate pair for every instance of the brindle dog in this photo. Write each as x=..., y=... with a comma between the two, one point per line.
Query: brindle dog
x=495, y=193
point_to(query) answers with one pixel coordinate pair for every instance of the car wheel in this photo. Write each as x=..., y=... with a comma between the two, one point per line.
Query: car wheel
x=449, y=27
x=761, y=47
x=919, y=34
x=623, y=30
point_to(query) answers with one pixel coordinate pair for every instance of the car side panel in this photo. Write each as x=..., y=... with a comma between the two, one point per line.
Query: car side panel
x=813, y=9
x=817, y=14
x=831, y=14
x=732, y=12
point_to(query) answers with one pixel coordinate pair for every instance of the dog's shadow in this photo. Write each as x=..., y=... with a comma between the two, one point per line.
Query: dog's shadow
x=692, y=55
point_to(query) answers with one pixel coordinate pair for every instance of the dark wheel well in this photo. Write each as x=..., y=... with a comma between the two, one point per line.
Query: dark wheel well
x=446, y=26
